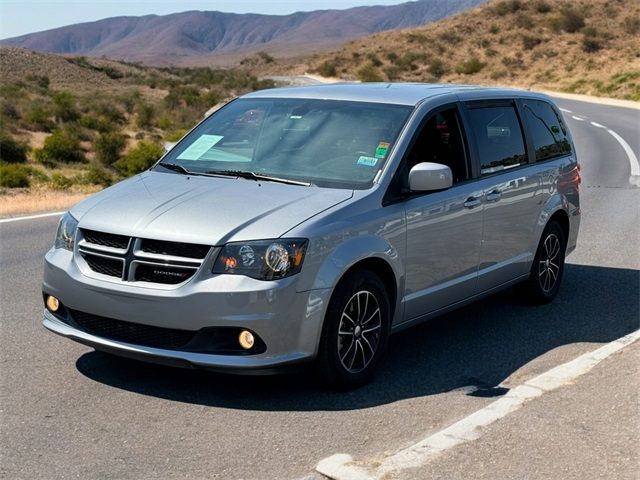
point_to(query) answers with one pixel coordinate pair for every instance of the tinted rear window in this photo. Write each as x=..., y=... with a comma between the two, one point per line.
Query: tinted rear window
x=499, y=137
x=548, y=133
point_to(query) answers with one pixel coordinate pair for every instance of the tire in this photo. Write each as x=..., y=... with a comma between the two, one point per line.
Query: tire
x=354, y=337
x=548, y=266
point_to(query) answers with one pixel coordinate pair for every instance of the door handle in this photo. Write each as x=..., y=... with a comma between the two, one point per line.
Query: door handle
x=493, y=196
x=472, y=202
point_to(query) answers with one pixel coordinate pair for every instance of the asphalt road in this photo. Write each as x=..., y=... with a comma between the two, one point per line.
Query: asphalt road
x=69, y=412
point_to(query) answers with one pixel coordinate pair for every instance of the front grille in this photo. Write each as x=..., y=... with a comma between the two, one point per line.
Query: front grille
x=141, y=259
x=106, y=239
x=136, y=333
x=162, y=274
x=106, y=266
x=175, y=249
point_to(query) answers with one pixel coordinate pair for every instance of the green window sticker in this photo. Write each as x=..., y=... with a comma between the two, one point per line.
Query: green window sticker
x=198, y=148
x=367, y=161
x=382, y=149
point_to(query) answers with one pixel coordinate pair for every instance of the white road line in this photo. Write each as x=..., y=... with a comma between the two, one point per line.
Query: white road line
x=342, y=466
x=597, y=125
x=633, y=160
x=565, y=110
x=30, y=217
x=577, y=118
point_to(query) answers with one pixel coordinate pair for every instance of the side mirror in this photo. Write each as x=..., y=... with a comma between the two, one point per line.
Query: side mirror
x=427, y=176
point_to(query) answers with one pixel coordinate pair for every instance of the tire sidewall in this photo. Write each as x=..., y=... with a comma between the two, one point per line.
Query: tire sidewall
x=552, y=228
x=331, y=368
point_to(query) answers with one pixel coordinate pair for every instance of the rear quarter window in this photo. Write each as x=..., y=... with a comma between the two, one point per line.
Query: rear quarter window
x=548, y=132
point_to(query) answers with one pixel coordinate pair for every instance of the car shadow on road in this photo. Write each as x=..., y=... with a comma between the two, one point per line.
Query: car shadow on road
x=477, y=346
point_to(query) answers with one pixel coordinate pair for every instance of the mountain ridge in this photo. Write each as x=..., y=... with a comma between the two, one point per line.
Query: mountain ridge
x=173, y=38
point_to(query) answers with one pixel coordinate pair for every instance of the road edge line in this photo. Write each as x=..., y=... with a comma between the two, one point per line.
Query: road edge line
x=343, y=467
x=30, y=217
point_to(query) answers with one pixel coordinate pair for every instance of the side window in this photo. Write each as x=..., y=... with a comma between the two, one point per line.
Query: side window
x=440, y=141
x=499, y=138
x=548, y=133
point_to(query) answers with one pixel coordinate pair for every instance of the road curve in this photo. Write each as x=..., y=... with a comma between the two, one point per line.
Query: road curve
x=67, y=411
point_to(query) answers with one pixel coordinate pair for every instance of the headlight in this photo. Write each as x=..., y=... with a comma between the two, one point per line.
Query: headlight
x=66, y=234
x=264, y=259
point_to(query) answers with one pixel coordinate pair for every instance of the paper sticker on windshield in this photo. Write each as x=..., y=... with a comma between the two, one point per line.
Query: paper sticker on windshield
x=367, y=161
x=199, y=147
x=382, y=149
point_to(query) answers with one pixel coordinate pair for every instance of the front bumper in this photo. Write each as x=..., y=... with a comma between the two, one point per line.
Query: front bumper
x=289, y=322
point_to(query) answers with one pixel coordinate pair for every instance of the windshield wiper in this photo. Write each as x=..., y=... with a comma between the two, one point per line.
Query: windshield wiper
x=176, y=168
x=257, y=176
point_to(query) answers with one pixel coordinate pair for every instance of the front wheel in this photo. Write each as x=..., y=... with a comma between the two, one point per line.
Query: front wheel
x=548, y=265
x=355, y=331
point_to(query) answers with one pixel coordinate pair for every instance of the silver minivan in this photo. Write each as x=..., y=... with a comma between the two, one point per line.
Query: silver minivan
x=310, y=223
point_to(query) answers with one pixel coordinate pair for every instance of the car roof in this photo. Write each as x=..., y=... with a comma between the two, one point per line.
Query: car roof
x=392, y=93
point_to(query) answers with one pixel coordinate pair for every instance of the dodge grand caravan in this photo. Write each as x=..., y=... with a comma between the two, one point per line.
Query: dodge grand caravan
x=310, y=223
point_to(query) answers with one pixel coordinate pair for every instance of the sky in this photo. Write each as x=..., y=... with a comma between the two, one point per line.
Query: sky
x=18, y=17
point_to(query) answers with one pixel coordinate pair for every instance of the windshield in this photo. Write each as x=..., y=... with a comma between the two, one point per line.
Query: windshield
x=324, y=142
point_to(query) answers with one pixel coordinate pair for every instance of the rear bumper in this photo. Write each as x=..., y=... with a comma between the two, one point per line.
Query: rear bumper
x=287, y=321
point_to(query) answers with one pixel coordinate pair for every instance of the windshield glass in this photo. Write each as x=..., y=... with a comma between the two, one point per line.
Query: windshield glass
x=325, y=142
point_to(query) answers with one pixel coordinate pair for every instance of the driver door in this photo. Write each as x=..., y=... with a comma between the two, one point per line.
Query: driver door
x=444, y=228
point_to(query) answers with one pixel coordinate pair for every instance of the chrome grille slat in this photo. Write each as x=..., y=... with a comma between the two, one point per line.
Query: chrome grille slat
x=141, y=259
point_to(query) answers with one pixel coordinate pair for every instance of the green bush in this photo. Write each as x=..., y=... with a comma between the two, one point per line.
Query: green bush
x=39, y=119
x=97, y=176
x=470, y=66
x=369, y=73
x=61, y=146
x=60, y=182
x=64, y=107
x=108, y=146
x=145, y=115
x=14, y=176
x=327, y=69
x=12, y=151
x=139, y=158
x=437, y=68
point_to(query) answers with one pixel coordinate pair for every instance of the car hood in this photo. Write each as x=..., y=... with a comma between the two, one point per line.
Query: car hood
x=206, y=210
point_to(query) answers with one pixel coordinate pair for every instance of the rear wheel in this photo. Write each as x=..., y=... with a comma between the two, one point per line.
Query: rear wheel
x=355, y=331
x=548, y=265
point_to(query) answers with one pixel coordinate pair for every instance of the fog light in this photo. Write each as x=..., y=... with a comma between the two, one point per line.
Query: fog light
x=246, y=339
x=53, y=304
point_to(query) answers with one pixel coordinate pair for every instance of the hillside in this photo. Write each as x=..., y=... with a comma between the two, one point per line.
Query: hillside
x=582, y=46
x=199, y=37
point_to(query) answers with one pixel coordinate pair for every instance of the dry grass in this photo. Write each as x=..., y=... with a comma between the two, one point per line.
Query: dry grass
x=27, y=201
x=532, y=44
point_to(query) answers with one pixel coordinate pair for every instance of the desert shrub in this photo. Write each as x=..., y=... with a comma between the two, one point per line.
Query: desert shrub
x=108, y=146
x=8, y=109
x=391, y=56
x=494, y=29
x=175, y=135
x=530, y=41
x=570, y=20
x=631, y=25
x=38, y=117
x=60, y=182
x=327, y=69
x=145, y=114
x=265, y=57
x=470, y=66
x=107, y=111
x=139, y=158
x=14, y=176
x=542, y=7
x=450, y=37
x=591, y=44
x=392, y=72
x=524, y=21
x=64, y=107
x=97, y=176
x=437, y=68
x=368, y=73
x=12, y=151
x=373, y=58
x=61, y=146
x=509, y=6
